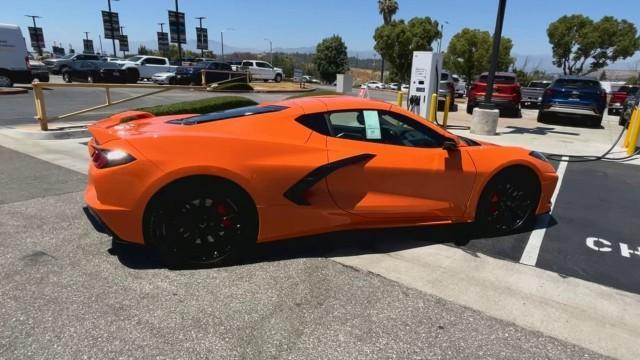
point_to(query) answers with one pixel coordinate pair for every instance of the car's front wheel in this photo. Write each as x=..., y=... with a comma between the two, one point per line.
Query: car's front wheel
x=508, y=202
x=278, y=78
x=66, y=77
x=201, y=222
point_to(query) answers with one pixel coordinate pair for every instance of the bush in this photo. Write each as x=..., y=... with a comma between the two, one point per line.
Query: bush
x=232, y=86
x=314, y=93
x=201, y=106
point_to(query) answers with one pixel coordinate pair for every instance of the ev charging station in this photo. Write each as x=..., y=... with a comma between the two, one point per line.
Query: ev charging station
x=425, y=79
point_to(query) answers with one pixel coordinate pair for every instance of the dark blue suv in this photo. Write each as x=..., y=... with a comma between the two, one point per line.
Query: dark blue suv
x=574, y=97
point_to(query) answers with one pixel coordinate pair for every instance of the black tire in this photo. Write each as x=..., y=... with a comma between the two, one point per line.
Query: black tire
x=201, y=222
x=508, y=202
x=172, y=81
x=543, y=117
x=278, y=78
x=611, y=112
x=596, y=121
x=6, y=80
x=265, y=80
x=470, y=109
x=133, y=75
x=90, y=79
x=66, y=77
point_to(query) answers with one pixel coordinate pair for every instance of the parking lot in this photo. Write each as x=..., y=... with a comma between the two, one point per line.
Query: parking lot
x=294, y=298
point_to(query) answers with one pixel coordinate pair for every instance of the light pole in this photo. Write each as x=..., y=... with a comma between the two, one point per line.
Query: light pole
x=441, y=36
x=113, y=31
x=100, y=40
x=222, y=41
x=178, y=35
x=162, y=52
x=270, y=50
x=124, y=53
x=200, y=35
x=34, y=17
x=497, y=35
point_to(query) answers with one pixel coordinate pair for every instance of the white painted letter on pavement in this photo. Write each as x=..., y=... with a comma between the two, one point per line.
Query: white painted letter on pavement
x=591, y=242
x=626, y=252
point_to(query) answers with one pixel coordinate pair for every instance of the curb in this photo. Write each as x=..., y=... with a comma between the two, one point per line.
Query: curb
x=71, y=132
x=12, y=91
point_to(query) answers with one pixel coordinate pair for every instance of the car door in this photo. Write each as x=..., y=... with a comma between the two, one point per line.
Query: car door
x=399, y=168
x=265, y=70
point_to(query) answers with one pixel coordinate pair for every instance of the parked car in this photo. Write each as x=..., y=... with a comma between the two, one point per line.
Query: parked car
x=394, y=86
x=532, y=93
x=236, y=65
x=110, y=59
x=446, y=88
x=377, y=85
x=310, y=80
x=262, y=70
x=404, y=88
x=192, y=75
x=627, y=108
x=143, y=67
x=576, y=97
x=39, y=70
x=618, y=97
x=164, y=78
x=208, y=187
x=14, y=63
x=506, y=93
x=460, y=86
x=92, y=71
x=57, y=66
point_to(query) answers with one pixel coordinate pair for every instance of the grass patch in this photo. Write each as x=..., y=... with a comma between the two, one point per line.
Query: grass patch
x=316, y=92
x=233, y=86
x=201, y=106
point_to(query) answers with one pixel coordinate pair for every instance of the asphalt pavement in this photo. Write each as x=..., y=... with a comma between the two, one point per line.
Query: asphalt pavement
x=69, y=292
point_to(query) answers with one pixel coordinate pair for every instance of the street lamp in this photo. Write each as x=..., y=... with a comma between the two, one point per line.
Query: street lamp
x=113, y=31
x=199, y=35
x=222, y=41
x=497, y=35
x=270, y=50
x=34, y=17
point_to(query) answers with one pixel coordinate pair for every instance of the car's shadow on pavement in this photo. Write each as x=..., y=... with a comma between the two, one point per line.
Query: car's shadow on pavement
x=336, y=244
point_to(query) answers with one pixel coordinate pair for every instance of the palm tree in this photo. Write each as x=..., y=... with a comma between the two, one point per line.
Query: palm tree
x=387, y=8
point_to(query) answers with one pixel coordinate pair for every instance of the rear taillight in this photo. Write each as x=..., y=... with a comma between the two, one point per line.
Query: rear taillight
x=103, y=158
x=548, y=92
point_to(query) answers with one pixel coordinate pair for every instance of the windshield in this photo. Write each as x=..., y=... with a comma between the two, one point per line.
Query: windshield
x=500, y=79
x=577, y=83
x=539, y=84
x=134, y=58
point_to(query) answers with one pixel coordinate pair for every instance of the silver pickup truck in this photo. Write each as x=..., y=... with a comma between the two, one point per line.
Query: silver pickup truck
x=532, y=93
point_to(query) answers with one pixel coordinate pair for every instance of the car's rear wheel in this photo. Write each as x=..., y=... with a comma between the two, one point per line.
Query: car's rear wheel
x=90, y=79
x=201, y=222
x=5, y=81
x=596, y=121
x=470, y=109
x=278, y=78
x=508, y=202
x=543, y=117
x=66, y=77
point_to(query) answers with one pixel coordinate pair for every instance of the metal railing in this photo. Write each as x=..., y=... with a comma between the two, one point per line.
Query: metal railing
x=41, y=109
x=232, y=76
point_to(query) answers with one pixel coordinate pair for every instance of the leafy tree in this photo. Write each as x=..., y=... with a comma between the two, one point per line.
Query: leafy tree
x=387, y=8
x=469, y=53
x=331, y=58
x=633, y=81
x=142, y=50
x=397, y=41
x=285, y=62
x=576, y=40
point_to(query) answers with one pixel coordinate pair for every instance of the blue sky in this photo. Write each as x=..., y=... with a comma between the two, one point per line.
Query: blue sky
x=302, y=23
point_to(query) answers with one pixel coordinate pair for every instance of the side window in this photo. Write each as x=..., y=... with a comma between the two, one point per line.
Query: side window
x=401, y=130
x=316, y=122
x=383, y=127
x=213, y=66
x=92, y=57
x=81, y=57
x=154, y=61
x=247, y=63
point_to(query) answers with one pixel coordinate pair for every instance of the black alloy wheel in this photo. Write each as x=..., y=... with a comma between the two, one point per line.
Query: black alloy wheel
x=202, y=225
x=509, y=202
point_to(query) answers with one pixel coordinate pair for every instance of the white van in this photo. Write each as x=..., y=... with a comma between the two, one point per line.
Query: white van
x=14, y=58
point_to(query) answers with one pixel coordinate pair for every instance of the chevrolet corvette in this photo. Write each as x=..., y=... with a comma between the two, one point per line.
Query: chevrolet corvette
x=200, y=189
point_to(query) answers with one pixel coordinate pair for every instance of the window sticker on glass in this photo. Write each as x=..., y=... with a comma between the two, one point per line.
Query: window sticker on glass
x=372, y=125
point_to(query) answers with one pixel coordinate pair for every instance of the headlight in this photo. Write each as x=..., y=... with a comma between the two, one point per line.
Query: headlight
x=538, y=155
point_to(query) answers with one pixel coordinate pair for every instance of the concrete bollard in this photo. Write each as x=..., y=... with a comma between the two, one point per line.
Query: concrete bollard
x=484, y=121
x=344, y=83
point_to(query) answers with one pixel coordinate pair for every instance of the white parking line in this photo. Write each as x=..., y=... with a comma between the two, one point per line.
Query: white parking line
x=530, y=254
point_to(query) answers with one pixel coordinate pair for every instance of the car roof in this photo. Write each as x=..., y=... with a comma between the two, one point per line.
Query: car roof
x=576, y=77
x=311, y=104
x=499, y=73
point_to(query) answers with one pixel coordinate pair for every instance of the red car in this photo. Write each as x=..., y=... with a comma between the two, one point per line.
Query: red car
x=618, y=98
x=506, y=93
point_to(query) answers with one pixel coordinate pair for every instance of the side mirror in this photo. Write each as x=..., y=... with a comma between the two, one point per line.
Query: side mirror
x=449, y=145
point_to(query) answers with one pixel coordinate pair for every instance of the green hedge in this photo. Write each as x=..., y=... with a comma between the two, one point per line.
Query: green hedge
x=314, y=93
x=201, y=106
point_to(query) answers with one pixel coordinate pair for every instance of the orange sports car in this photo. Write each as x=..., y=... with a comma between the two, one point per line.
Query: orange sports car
x=201, y=189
